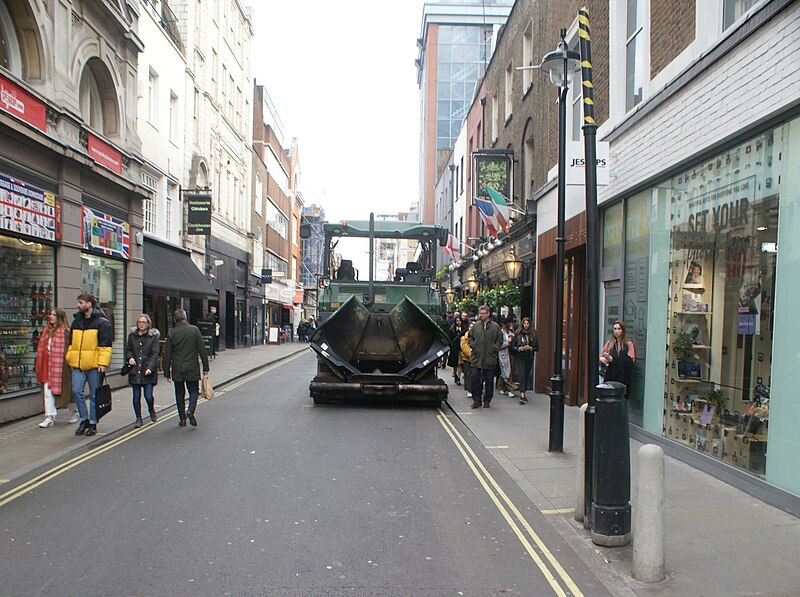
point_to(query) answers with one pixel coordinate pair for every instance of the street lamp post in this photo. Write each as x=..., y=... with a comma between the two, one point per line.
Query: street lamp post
x=560, y=64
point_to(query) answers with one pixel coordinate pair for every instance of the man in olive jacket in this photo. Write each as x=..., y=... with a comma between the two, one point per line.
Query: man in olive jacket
x=180, y=363
x=485, y=339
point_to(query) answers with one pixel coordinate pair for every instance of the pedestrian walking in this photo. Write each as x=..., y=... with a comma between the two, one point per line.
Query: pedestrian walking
x=456, y=331
x=618, y=355
x=89, y=355
x=181, y=363
x=505, y=381
x=141, y=355
x=50, y=367
x=464, y=358
x=485, y=339
x=524, y=346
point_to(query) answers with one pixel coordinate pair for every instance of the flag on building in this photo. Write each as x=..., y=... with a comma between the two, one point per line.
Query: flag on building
x=488, y=212
x=453, y=246
x=503, y=212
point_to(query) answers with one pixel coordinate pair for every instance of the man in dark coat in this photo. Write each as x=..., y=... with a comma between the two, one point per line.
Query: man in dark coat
x=485, y=339
x=180, y=363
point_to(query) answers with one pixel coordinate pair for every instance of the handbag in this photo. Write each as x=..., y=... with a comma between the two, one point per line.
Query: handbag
x=102, y=399
x=208, y=389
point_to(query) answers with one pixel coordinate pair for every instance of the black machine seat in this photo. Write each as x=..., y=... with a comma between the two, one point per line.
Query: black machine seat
x=346, y=270
x=413, y=267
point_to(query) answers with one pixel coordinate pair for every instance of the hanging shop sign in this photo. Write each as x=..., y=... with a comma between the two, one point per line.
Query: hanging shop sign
x=27, y=210
x=198, y=220
x=576, y=163
x=22, y=105
x=106, y=234
x=492, y=170
x=105, y=155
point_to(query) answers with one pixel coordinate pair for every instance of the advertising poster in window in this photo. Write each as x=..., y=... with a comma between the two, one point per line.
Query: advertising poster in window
x=106, y=234
x=27, y=210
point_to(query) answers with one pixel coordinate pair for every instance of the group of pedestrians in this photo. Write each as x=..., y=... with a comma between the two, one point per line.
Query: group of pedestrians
x=71, y=356
x=306, y=329
x=483, y=350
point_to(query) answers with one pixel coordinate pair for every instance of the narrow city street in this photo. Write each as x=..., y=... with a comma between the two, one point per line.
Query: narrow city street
x=270, y=495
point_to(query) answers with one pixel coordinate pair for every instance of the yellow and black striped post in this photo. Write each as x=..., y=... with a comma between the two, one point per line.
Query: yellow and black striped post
x=607, y=453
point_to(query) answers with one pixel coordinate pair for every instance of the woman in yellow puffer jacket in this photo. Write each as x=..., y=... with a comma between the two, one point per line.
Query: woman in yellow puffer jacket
x=464, y=359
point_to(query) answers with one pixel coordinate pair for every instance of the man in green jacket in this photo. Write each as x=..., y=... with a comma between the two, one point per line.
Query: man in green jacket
x=180, y=363
x=485, y=339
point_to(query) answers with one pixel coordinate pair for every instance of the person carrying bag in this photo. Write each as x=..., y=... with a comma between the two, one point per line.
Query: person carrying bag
x=618, y=355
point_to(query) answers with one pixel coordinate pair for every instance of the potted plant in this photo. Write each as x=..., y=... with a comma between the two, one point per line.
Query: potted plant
x=688, y=363
x=718, y=400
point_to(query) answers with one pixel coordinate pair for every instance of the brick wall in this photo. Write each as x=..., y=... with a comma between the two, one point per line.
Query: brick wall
x=755, y=80
x=672, y=26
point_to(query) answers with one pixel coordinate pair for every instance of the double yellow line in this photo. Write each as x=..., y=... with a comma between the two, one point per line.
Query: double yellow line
x=513, y=516
x=62, y=468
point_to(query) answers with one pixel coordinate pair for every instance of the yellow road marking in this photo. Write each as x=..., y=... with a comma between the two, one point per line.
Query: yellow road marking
x=497, y=447
x=485, y=478
x=54, y=472
x=558, y=511
x=4, y=480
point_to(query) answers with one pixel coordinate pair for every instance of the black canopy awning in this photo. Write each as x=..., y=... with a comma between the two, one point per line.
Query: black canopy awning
x=171, y=271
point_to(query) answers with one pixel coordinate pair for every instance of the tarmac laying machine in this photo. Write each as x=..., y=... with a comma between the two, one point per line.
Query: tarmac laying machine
x=377, y=339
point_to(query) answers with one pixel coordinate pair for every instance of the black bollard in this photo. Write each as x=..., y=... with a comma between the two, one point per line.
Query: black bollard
x=611, y=478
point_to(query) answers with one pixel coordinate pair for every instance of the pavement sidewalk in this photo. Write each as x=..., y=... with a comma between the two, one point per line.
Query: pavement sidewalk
x=24, y=446
x=718, y=539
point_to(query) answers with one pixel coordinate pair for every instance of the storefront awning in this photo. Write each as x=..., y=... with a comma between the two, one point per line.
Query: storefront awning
x=172, y=272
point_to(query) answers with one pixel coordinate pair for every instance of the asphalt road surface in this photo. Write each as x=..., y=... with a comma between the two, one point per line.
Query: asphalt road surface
x=271, y=495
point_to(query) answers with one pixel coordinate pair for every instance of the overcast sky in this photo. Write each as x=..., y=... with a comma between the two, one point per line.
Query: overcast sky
x=342, y=77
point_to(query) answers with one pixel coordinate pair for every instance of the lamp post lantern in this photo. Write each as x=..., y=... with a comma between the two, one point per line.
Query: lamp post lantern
x=512, y=265
x=451, y=295
x=560, y=65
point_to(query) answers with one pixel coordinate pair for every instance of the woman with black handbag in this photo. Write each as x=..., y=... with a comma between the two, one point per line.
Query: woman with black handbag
x=618, y=355
x=524, y=346
x=141, y=365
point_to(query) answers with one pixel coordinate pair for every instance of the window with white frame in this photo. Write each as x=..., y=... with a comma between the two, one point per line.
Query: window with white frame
x=294, y=268
x=152, y=97
x=276, y=220
x=732, y=10
x=91, y=102
x=275, y=263
x=527, y=57
x=172, y=193
x=634, y=53
x=174, y=116
x=196, y=117
x=149, y=206
x=509, y=84
x=259, y=196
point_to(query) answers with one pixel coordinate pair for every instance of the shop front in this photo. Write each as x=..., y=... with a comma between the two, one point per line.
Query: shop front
x=723, y=281
x=28, y=231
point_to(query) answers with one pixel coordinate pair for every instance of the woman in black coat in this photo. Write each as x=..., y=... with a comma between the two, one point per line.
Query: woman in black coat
x=141, y=356
x=524, y=346
x=458, y=329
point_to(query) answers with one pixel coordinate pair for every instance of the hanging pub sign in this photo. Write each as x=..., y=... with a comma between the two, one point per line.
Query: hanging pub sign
x=106, y=234
x=492, y=169
x=21, y=104
x=27, y=210
x=198, y=220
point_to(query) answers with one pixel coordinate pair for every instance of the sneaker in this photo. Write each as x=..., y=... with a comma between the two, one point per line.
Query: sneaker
x=522, y=401
x=48, y=422
x=469, y=394
x=138, y=422
x=81, y=430
x=475, y=404
x=75, y=417
x=91, y=430
x=457, y=381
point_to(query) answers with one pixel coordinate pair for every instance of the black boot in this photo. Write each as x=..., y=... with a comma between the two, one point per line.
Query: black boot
x=82, y=427
x=91, y=430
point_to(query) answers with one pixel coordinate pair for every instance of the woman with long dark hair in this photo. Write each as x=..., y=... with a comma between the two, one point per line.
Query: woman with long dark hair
x=618, y=354
x=524, y=346
x=50, y=364
x=457, y=330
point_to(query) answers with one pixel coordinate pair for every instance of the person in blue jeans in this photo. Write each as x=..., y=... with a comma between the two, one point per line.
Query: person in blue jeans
x=141, y=356
x=183, y=353
x=88, y=355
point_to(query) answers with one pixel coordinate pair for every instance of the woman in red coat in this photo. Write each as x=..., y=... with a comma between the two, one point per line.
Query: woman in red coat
x=50, y=362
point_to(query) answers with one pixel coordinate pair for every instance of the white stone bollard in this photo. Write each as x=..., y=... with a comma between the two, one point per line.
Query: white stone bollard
x=648, y=524
x=580, y=501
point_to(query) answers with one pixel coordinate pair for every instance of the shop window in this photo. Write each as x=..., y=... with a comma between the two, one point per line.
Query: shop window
x=105, y=279
x=612, y=236
x=722, y=282
x=27, y=279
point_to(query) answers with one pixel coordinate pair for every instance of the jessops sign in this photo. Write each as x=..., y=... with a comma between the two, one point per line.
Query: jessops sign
x=198, y=220
x=576, y=163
